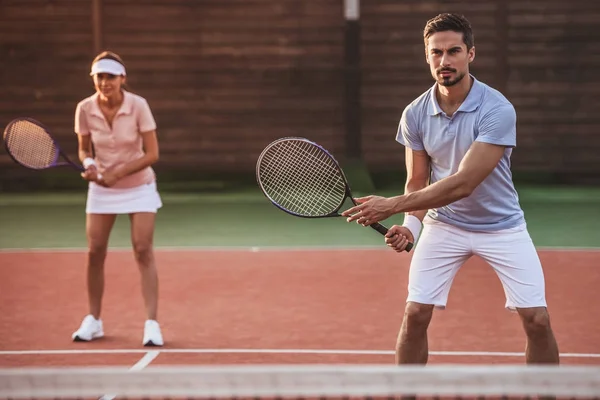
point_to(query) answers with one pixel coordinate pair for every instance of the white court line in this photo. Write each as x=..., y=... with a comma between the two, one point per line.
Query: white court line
x=138, y=366
x=145, y=361
x=254, y=249
x=276, y=351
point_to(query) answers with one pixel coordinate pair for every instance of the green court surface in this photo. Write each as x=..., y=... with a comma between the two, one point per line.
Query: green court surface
x=556, y=216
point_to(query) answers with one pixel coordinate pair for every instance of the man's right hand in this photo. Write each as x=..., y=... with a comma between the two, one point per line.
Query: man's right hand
x=398, y=238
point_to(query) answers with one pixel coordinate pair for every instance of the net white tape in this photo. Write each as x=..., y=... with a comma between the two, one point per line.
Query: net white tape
x=302, y=381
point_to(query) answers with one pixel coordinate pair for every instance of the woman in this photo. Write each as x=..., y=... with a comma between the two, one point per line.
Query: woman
x=122, y=130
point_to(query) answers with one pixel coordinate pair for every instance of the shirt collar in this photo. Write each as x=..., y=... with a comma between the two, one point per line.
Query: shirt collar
x=471, y=103
x=126, y=107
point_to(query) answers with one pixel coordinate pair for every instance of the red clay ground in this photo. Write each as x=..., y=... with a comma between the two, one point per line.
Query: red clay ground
x=305, y=300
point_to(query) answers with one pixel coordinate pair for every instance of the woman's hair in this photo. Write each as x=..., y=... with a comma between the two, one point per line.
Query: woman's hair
x=108, y=55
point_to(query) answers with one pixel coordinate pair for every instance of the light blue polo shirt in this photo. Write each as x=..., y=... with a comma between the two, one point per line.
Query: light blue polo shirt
x=485, y=116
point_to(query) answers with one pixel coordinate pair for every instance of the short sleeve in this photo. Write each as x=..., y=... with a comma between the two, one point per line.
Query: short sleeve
x=408, y=131
x=499, y=126
x=81, y=125
x=146, y=120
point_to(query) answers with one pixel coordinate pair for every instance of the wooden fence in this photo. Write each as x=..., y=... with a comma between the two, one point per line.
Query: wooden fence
x=225, y=77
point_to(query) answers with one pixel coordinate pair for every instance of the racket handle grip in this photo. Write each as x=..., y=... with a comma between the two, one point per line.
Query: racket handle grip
x=379, y=228
x=383, y=230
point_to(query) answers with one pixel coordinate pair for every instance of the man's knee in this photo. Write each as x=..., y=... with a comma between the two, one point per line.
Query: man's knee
x=417, y=317
x=536, y=322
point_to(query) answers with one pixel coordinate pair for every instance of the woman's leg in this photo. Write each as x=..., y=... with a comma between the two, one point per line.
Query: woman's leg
x=142, y=238
x=98, y=228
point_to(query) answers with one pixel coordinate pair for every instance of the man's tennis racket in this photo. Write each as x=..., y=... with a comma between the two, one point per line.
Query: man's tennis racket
x=303, y=179
x=30, y=144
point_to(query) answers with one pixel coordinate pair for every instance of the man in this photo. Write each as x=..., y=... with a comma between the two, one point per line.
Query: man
x=459, y=137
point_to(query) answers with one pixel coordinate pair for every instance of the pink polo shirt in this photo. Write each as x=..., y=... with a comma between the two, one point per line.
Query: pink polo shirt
x=122, y=143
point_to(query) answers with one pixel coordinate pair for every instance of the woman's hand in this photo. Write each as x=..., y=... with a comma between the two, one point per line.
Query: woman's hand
x=111, y=176
x=90, y=174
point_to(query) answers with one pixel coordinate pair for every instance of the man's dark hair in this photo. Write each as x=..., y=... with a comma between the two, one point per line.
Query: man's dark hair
x=450, y=22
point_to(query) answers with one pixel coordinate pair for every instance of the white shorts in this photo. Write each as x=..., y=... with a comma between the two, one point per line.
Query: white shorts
x=442, y=249
x=103, y=200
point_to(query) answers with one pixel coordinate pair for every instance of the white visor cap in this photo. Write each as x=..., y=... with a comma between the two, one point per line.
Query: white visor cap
x=108, y=66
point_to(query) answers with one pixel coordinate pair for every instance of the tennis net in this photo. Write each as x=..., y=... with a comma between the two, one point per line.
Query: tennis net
x=303, y=382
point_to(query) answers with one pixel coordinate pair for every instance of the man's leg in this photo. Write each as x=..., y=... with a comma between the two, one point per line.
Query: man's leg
x=513, y=256
x=441, y=251
x=541, y=347
x=412, y=346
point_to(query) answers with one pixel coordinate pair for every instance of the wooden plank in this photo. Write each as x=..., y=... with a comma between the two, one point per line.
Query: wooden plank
x=238, y=72
x=221, y=74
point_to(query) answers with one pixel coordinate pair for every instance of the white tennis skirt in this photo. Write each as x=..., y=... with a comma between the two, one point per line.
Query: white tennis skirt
x=103, y=200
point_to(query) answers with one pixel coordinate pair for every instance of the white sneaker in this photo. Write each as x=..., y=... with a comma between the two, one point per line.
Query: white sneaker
x=91, y=328
x=152, y=335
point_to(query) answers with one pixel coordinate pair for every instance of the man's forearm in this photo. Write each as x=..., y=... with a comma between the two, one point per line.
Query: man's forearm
x=412, y=187
x=439, y=194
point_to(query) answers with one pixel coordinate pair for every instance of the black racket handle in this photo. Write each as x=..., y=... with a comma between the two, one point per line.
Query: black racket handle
x=383, y=230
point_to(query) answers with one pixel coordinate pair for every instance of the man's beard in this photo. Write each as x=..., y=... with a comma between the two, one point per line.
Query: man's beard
x=448, y=81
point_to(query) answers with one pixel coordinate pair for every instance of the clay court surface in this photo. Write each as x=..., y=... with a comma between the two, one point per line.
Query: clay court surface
x=257, y=306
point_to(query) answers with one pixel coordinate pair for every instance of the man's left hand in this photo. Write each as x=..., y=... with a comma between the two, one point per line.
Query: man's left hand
x=370, y=209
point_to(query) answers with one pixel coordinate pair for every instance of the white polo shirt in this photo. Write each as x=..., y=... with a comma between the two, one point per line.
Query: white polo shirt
x=485, y=116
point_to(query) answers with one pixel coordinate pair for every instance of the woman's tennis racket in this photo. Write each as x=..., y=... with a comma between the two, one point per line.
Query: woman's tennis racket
x=30, y=144
x=303, y=179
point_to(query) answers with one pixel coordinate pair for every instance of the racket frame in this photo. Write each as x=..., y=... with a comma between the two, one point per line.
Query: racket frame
x=59, y=151
x=348, y=191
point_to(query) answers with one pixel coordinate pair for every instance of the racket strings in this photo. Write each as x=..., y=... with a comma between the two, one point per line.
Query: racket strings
x=306, y=190
x=296, y=180
x=302, y=178
x=333, y=184
x=317, y=199
x=30, y=145
x=301, y=198
x=279, y=168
